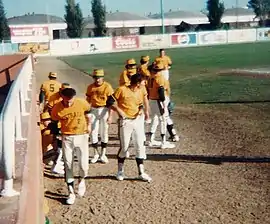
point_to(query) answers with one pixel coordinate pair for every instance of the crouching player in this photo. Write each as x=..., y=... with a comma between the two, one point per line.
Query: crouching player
x=126, y=103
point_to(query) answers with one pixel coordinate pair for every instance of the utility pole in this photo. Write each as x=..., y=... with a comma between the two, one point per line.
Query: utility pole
x=162, y=16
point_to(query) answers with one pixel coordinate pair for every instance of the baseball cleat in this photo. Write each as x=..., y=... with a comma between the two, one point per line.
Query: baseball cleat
x=71, y=199
x=154, y=143
x=95, y=158
x=81, y=188
x=174, y=138
x=104, y=159
x=120, y=176
x=145, y=177
x=167, y=145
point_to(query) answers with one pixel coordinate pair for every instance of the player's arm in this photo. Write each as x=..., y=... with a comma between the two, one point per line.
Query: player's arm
x=146, y=107
x=88, y=95
x=54, y=114
x=112, y=104
x=87, y=113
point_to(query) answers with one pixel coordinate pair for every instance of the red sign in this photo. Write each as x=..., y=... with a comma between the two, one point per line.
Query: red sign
x=29, y=31
x=125, y=42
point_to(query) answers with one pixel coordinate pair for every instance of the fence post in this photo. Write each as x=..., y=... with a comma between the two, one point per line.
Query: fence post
x=9, y=154
x=18, y=118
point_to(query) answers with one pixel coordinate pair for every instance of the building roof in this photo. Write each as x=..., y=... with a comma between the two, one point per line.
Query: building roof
x=238, y=12
x=118, y=16
x=34, y=19
x=179, y=14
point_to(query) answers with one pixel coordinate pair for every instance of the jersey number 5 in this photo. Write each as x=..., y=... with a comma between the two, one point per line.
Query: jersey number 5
x=51, y=87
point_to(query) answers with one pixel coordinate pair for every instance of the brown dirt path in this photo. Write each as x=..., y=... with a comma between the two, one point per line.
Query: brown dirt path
x=219, y=172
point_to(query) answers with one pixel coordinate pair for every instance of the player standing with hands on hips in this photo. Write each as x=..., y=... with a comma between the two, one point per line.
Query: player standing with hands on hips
x=96, y=95
x=127, y=103
x=73, y=114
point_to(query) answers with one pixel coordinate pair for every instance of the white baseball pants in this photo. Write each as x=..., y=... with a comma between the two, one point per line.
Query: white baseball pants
x=166, y=74
x=168, y=118
x=157, y=117
x=78, y=144
x=132, y=128
x=99, y=117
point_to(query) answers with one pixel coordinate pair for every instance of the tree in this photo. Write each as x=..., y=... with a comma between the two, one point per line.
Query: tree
x=215, y=10
x=261, y=8
x=99, y=15
x=4, y=28
x=74, y=19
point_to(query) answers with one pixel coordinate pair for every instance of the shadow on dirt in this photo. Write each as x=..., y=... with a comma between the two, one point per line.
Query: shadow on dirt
x=214, y=160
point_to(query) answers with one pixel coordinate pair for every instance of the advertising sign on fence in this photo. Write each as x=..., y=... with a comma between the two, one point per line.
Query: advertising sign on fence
x=212, y=37
x=28, y=34
x=39, y=48
x=245, y=35
x=81, y=46
x=182, y=39
x=154, y=41
x=125, y=42
x=263, y=34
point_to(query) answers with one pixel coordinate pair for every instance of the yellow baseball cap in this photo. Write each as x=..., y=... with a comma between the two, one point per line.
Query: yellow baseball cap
x=131, y=62
x=98, y=73
x=53, y=74
x=65, y=85
x=145, y=58
x=158, y=66
x=45, y=116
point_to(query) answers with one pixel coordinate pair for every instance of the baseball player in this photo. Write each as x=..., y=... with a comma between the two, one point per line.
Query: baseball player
x=48, y=88
x=52, y=153
x=126, y=101
x=158, y=88
x=96, y=95
x=166, y=61
x=143, y=68
x=130, y=69
x=73, y=114
x=56, y=97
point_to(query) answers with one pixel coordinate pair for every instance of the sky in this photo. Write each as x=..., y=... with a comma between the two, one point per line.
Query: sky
x=140, y=7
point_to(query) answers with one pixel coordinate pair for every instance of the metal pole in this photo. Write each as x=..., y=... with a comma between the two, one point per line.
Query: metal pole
x=162, y=16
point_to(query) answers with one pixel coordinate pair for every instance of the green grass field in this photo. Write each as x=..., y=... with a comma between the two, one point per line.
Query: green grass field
x=194, y=73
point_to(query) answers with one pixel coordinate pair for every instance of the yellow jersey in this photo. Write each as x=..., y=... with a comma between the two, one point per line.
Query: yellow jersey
x=50, y=87
x=54, y=99
x=165, y=60
x=143, y=70
x=125, y=76
x=128, y=100
x=155, y=82
x=72, y=119
x=97, y=95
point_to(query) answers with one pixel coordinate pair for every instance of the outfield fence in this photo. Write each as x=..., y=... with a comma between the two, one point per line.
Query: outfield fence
x=84, y=46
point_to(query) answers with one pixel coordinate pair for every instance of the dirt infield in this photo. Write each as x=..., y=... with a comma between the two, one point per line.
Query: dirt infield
x=219, y=172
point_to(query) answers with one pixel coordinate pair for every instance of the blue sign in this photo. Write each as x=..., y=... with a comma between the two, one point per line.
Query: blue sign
x=184, y=39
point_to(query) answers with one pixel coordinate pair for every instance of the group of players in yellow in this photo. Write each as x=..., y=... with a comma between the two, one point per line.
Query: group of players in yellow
x=67, y=122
